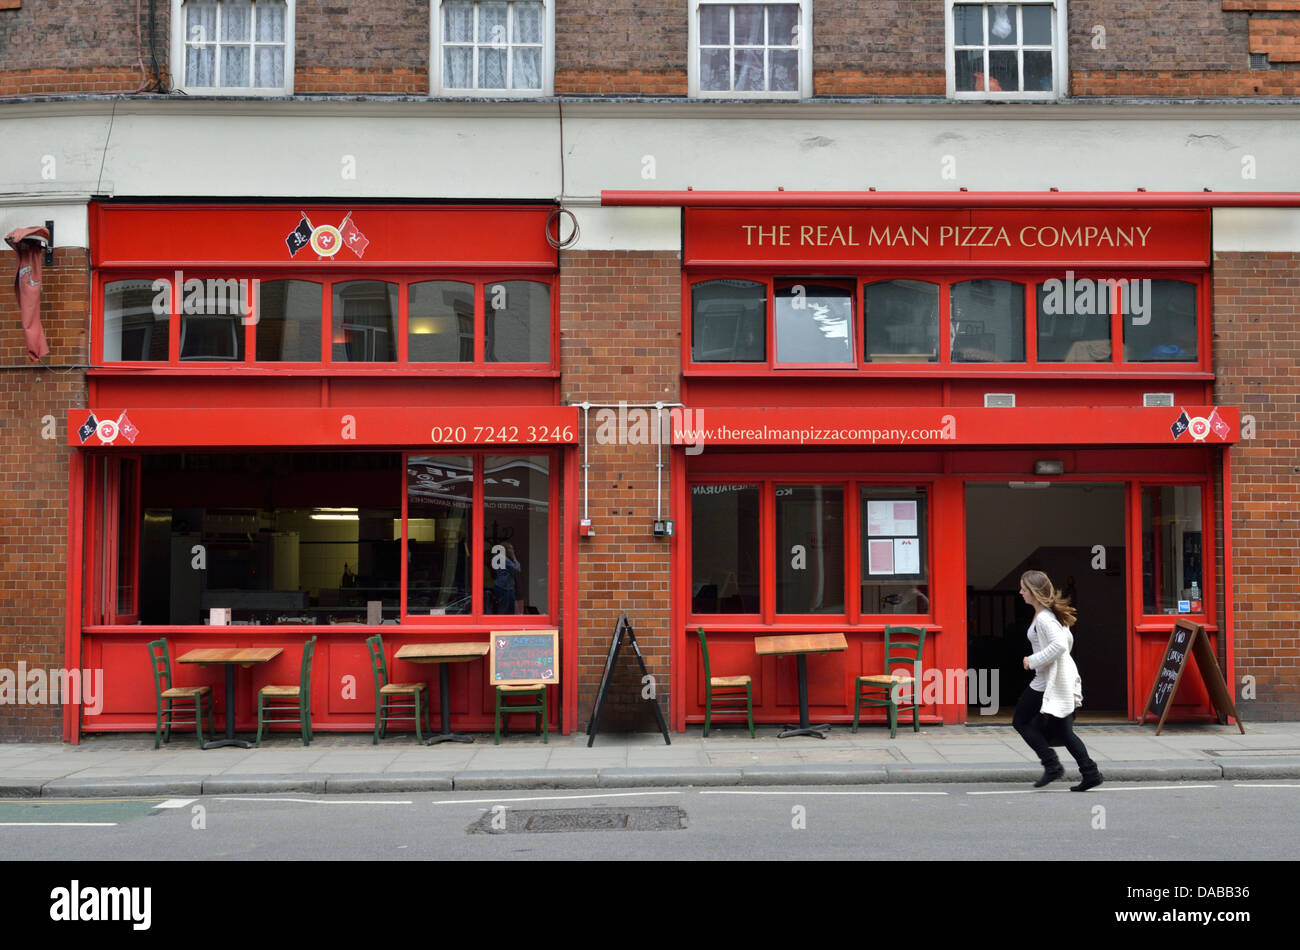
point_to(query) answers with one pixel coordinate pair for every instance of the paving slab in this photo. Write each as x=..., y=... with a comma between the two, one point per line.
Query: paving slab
x=1257, y=768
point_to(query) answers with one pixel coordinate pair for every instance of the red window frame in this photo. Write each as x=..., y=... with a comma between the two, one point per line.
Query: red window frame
x=853, y=614
x=1207, y=615
x=1116, y=367
x=328, y=278
x=477, y=616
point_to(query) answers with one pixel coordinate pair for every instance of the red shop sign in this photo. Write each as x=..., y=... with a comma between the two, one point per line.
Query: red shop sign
x=849, y=236
x=319, y=235
x=944, y=426
x=342, y=427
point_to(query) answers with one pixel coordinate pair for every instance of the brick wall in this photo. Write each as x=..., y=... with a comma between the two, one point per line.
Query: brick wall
x=621, y=47
x=74, y=46
x=380, y=47
x=1156, y=48
x=34, y=480
x=621, y=329
x=1257, y=359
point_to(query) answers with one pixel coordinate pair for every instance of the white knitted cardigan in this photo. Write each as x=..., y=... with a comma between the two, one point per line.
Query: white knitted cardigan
x=1051, y=658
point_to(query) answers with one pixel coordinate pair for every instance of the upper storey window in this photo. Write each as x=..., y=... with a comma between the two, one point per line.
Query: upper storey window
x=493, y=47
x=750, y=49
x=1006, y=50
x=233, y=47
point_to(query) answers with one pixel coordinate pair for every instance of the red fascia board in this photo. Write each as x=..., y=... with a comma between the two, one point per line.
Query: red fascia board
x=950, y=199
x=339, y=427
x=952, y=426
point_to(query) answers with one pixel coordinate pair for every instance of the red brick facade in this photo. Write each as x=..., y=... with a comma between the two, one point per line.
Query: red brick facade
x=621, y=333
x=1170, y=48
x=1256, y=350
x=34, y=479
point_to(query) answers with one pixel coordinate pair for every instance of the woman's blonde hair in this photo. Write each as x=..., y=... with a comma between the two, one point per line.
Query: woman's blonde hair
x=1038, y=584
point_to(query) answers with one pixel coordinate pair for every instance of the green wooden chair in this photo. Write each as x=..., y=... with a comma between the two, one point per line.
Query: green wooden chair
x=727, y=692
x=288, y=699
x=902, y=645
x=169, y=699
x=538, y=706
x=389, y=696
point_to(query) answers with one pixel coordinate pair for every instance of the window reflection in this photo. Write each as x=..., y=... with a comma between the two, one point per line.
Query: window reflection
x=441, y=322
x=809, y=549
x=987, y=322
x=902, y=321
x=136, y=321
x=1159, y=321
x=439, y=524
x=516, y=538
x=814, y=323
x=365, y=322
x=1171, y=550
x=724, y=549
x=729, y=321
x=517, y=322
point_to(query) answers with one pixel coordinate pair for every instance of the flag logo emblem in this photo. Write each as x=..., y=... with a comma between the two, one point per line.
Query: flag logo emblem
x=1221, y=428
x=88, y=428
x=326, y=239
x=127, y=429
x=1199, y=428
x=107, y=431
x=1180, y=424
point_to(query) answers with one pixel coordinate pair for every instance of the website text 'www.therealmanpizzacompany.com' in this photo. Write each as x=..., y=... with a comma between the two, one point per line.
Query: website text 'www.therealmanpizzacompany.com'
x=813, y=435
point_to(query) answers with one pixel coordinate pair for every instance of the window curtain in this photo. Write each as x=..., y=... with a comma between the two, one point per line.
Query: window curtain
x=200, y=27
x=458, y=61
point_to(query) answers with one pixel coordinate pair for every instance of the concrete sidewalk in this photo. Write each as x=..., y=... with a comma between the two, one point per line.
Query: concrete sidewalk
x=342, y=764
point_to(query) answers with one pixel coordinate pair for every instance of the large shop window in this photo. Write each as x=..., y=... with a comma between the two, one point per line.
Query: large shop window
x=1172, y=579
x=806, y=569
x=312, y=538
x=1076, y=322
x=309, y=322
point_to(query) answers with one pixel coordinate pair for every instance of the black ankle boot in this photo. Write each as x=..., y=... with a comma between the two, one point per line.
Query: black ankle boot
x=1050, y=775
x=1090, y=780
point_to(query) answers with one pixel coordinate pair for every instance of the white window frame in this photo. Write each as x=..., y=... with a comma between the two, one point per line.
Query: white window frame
x=436, y=87
x=805, y=85
x=1060, y=63
x=178, y=52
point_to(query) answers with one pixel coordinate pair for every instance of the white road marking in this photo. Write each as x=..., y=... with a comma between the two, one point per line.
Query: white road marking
x=544, y=798
x=58, y=824
x=175, y=803
x=728, y=792
x=311, y=801
x=1243, y=785
x=1018, y=791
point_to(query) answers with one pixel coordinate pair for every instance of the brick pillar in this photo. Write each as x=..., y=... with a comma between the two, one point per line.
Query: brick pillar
x=621, y=334
x=1256, y=356
x=34, y=400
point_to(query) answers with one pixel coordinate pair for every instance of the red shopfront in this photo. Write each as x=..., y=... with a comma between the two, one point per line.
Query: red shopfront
x=298, y=412
x=892, y=413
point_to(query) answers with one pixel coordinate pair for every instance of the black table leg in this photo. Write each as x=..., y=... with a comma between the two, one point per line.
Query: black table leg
x=804, y=729
x=230, y=717
x=444, y=691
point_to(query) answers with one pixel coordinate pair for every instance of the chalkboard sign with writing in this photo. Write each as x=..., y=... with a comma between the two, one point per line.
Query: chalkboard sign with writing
x=1188, y=639
x=524, y=656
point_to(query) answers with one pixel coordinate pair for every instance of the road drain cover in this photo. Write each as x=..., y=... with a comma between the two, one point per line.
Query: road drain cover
x=502, y=820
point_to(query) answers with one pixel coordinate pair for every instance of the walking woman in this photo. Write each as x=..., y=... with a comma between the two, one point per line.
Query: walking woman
x=1045, y=713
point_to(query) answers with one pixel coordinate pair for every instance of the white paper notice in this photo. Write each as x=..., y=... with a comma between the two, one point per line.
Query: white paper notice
x=880, y=517
x=907, y=556
x=904, y=518
x=880, y=557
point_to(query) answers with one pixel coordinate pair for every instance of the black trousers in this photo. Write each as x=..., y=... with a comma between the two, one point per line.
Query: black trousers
x=1028, y=723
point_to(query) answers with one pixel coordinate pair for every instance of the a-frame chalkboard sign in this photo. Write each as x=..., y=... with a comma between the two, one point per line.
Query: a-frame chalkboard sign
x=1188, y=639
x=622, y=631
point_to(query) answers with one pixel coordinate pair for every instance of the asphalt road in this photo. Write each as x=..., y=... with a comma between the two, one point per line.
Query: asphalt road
x=1122, y=821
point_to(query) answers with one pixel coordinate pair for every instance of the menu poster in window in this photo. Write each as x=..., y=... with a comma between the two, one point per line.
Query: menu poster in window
x=907, y=556
x=880, y=556
x=891, y=518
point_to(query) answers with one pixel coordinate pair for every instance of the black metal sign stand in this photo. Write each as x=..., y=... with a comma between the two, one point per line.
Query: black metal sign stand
x=623, y=629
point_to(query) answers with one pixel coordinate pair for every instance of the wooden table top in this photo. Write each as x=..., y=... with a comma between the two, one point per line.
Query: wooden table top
x=442, y=652
x=800, y=643
x=245, y=655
